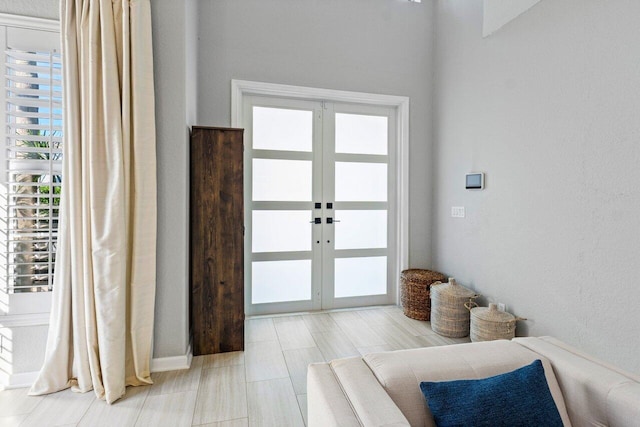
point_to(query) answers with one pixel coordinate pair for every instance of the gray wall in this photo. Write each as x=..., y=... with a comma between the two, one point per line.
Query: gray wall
x=173, y=113
x=375, y=46
x=548, y=107
x=37, y=8
x=172, y=110
x=378, y=46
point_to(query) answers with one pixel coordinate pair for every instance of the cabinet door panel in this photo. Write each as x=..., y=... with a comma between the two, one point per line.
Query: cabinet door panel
x=216, y=240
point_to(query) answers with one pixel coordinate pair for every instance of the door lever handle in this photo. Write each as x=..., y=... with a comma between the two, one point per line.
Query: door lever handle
x=331, y=220
x=316, y=221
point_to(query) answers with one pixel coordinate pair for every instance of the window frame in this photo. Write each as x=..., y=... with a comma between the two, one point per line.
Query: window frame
x=28, y=308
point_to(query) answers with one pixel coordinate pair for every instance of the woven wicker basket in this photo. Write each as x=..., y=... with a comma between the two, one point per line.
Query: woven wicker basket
x=415, y=287
x=489, y=323
x=449, y=317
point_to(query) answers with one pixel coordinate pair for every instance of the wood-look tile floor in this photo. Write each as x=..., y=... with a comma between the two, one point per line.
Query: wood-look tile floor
x=263, y=386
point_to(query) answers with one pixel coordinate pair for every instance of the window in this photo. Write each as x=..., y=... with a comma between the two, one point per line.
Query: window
x=31, y=159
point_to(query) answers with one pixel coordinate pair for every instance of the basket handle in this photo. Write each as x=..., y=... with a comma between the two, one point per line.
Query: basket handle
x=517, y=318
x=471, y=304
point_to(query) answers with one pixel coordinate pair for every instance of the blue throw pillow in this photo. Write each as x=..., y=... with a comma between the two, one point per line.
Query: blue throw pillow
x=517, y=398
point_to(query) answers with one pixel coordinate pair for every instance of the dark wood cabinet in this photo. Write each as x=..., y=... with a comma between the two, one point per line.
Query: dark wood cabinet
x=216, y=240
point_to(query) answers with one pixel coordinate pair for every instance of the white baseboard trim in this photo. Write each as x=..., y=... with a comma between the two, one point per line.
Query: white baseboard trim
x=160, y=364
x=10, y=381
x=174, y=363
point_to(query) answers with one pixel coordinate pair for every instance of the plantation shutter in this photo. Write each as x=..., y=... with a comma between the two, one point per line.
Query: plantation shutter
x=33, y=164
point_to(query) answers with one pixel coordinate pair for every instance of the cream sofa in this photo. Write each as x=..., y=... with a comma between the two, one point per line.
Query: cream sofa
x=382, y=389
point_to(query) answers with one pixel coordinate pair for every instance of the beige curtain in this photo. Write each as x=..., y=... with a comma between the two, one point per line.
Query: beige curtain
x=101, y=329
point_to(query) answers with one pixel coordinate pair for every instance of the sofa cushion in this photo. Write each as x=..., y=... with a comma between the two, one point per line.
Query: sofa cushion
x=401, y=372
x=517, y=398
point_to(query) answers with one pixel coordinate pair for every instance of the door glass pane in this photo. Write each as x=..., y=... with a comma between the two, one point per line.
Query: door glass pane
x=361, y=134
x=280, y=231
x=282, y=180
x=282, y=129
x=361, y=182
x=360, y=276
x=280, y=281
x=361, y=229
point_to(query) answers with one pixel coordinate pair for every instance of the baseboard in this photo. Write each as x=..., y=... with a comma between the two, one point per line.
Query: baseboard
x=174, y=363
x=10, y=381
x=160, y=364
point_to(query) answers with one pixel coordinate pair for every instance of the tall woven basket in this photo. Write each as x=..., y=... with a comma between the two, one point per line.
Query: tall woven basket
x=415, y=287
x=449, y=316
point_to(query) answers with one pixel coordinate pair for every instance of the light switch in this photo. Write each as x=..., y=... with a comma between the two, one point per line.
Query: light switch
x=457, y=211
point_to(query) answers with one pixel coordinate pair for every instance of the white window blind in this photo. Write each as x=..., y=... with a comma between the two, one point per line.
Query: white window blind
x=33, y=177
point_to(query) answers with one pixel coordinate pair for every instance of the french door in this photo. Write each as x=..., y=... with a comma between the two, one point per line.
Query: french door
x=320, y=218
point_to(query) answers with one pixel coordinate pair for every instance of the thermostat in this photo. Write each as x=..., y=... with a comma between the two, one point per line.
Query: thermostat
x=475, y=181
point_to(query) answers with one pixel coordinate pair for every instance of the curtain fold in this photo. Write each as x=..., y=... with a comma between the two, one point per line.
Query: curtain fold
x=101, y=329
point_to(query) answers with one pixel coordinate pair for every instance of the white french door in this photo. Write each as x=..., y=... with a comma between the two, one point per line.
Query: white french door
x=320, y=213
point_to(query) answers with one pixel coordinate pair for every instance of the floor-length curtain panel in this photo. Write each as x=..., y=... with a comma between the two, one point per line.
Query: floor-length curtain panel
x=101, y=328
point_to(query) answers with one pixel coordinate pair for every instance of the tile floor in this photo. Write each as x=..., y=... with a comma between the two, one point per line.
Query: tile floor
x=263, y=386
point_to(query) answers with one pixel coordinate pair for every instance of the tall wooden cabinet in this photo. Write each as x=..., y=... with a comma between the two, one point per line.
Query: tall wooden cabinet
x=216, y=240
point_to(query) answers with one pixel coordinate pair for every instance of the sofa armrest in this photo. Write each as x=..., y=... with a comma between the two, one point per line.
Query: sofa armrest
x=594, y=392
x=326, y=403
x=370, y=401
x=623, y=405
x=346, y=393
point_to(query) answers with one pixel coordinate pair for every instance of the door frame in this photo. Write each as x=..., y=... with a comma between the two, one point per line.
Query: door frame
x=242, y=88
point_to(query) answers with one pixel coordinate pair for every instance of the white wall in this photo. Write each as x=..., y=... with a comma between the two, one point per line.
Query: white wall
x=549, y=108
x=375, y=46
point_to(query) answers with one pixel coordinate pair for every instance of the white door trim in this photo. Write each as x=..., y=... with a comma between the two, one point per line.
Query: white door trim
x=241, y=88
